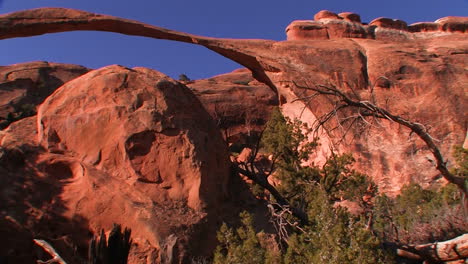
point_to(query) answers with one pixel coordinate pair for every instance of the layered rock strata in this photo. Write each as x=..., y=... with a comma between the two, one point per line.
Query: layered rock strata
x=238, y=103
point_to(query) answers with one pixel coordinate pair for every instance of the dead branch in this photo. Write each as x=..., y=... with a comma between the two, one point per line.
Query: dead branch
x=279, y=218
x=260, y=176
x=454, y=249
x=49, y=249
x=372, y=110
x=261, y=180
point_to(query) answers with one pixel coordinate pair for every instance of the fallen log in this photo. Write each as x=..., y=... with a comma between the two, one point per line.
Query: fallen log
x=49, y=249
x=445, y=251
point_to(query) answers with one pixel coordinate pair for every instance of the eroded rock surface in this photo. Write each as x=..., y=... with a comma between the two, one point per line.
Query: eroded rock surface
x=239, y=104
x=419, y=77
x=25, y=85
x=125, y=146
x=424, y=81
x=328, y=25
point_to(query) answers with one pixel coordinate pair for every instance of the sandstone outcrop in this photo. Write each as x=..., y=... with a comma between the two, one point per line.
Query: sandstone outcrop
x=350, y=16
x=423, y=76
x=389, y=23
x=332, y=29
x=23, y=86
x=328, y=25
x=420, y=76
x=325, y=14
x=423, y=27
x=239, y=104
x=125, y=146
x=453, y=24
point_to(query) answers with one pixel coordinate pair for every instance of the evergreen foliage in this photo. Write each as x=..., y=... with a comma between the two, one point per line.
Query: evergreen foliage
x=420, y=215
x=183, y=78
x=241, y=245
x=461, y=159
x=333, y=235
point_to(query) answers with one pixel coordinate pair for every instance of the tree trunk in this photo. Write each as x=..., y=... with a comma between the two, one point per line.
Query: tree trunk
x=450, y=250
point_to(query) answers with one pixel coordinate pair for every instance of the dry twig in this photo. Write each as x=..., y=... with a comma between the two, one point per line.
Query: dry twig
x=369, y=109
x=49, y=249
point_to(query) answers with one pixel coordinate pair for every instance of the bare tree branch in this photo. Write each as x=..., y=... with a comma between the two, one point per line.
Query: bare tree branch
x=373, y=110
x=49, y=249
x=261, y=180
x=279, y=219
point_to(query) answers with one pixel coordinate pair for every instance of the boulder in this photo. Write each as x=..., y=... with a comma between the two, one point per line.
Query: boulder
x=325, y=14
x=306, y=29
x=389, y=23
x=125, y=146
x=350, y=16
x=453, y=24
x=330, y=29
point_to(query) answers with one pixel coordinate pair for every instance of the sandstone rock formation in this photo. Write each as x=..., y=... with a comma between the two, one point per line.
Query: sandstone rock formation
x=418, y=73
x=350, y=16
x=417, y=78
x=238, y=103
x=118, y=145
x=325, y=14
x=26, y=85
x=328, y=25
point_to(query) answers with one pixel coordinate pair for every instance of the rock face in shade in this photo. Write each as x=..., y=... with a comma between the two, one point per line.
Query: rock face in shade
x=350, y=16
x=238, y=103
x=23, y=86
x=133, y=147
x=453, y=24
x=418, y=73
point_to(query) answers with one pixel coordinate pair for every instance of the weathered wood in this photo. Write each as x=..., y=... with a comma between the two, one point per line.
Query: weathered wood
x=450, y=250
x=49, y=249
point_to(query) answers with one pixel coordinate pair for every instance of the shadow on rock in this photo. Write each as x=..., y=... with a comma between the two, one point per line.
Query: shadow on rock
x=31, y=208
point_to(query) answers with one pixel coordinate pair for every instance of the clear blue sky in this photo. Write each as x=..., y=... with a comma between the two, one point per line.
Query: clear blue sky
x=263, y=19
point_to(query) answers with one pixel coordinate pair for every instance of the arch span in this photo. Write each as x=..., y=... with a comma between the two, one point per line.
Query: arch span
x=41, y=21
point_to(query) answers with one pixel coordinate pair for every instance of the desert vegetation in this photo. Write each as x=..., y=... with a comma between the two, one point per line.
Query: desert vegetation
x=334, y=214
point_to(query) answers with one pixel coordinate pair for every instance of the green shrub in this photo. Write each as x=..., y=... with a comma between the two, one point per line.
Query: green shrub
x=420, y=215
x=241, y=245
x=183, y=78
x=332, y=234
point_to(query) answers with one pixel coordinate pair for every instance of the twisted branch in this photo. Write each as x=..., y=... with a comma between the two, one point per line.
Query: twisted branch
x=370, y=109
